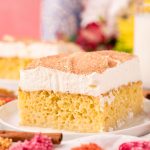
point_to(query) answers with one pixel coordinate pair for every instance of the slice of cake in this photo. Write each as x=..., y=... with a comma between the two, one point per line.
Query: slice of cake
x=15, y=55
x=84, y=91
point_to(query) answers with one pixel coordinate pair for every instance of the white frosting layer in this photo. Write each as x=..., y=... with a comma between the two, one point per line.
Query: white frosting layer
x=33, y=50
x=93, y=84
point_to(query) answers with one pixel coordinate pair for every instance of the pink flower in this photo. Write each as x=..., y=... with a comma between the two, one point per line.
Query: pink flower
x=38, y=142
x=17, y=146
x=91, y=36
x=94, y=37
x=144, y=145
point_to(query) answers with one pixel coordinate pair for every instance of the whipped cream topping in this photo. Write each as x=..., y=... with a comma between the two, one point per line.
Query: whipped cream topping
x=34, y=50
x=93, y=84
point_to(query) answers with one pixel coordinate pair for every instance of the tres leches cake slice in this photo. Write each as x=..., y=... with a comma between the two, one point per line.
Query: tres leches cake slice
x=84, y=91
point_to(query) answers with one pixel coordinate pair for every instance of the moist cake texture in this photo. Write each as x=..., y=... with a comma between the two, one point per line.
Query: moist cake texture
x=84, y=91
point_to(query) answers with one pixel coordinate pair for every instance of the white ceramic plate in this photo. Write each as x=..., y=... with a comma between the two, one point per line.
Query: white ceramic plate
x=137, y=126
x=9, y=84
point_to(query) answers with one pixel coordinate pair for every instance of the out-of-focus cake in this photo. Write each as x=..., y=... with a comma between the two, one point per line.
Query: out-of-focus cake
x=15, y=55
x=84, y=91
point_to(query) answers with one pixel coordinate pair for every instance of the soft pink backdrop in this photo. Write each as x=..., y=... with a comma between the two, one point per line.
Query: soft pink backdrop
x=20, y=18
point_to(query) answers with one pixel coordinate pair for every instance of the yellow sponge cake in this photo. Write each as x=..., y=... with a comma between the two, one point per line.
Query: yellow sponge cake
x=83, y=91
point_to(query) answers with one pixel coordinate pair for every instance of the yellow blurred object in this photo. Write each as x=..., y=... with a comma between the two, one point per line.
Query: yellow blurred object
x=125, y=25
x=125, y=37
x=147, y=1
x=146, y=7
x=142, y=6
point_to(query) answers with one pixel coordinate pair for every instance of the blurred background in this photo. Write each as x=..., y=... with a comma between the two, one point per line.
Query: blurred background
x=93, y=24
